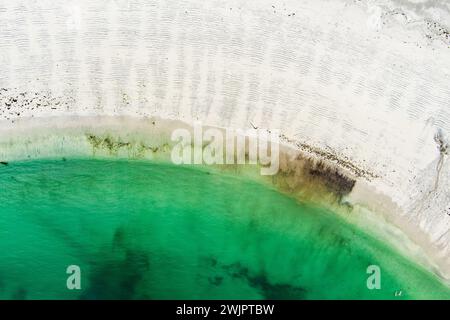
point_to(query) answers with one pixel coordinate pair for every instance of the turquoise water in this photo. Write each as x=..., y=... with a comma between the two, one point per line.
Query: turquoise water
x=156, y=231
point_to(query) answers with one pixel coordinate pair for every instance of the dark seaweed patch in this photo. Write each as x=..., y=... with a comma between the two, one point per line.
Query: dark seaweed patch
x=20, y=294
x=14, y=103
x=335, y=181
x=310, y=179
x=119, y=273
x=118, y=278
x=114, y=145
x=215, y=281
x=258, y=281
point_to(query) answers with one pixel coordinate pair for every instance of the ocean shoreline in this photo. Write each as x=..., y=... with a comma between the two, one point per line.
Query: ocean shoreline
x=363, y=206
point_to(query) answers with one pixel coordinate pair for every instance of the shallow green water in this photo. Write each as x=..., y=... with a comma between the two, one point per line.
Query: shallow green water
x=145, y=230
